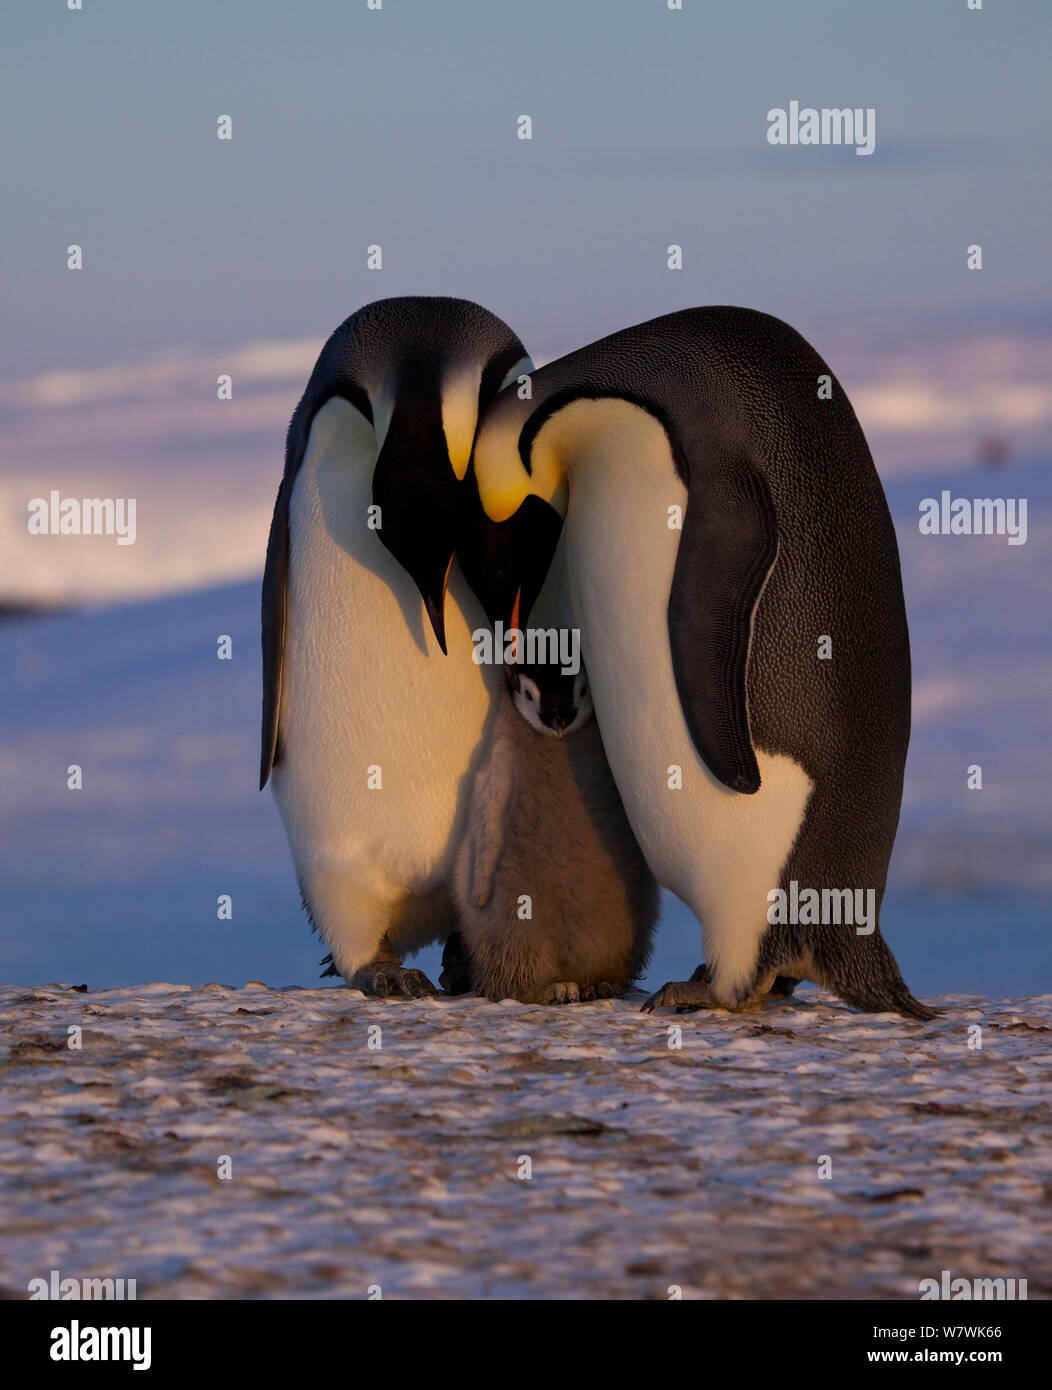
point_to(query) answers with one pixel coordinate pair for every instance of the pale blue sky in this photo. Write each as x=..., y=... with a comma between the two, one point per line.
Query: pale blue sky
x=353, y=126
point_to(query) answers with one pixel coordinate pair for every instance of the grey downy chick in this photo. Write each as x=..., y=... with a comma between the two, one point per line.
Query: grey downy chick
x=556, y=901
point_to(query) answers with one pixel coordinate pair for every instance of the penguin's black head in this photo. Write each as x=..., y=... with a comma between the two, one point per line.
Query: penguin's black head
x=429, y=368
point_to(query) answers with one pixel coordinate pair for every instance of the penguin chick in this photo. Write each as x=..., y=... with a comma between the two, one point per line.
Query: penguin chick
x=553, y=704
x=556, y=901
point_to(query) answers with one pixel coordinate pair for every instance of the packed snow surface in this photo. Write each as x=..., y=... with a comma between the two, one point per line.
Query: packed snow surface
x=402, y=1165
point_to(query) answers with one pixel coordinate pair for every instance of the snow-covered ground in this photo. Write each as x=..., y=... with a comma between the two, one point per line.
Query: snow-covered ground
x=651, y=1166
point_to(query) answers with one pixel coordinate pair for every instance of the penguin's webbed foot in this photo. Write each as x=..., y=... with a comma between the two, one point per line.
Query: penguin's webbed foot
x=382, y=981
x=683, y=994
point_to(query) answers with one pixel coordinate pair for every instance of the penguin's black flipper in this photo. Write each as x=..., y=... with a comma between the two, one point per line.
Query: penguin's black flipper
x=728, y=546
x=274, y=600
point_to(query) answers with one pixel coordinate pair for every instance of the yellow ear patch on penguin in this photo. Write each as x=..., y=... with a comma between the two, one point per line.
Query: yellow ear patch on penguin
x=503, y=482
x=460, y=406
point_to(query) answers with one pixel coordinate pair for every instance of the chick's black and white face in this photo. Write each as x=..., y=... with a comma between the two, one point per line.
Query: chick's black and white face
x=551, y=703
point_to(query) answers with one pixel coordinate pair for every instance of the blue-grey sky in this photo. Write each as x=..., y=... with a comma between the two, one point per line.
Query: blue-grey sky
x=398, y=126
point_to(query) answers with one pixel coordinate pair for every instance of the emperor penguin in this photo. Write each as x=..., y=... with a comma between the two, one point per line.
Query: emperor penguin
x=732, y=565
x=554, y=899
x=373, y=709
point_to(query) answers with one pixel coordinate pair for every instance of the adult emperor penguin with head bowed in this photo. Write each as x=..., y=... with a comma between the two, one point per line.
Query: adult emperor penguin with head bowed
x=370, y=731
x=734, y=571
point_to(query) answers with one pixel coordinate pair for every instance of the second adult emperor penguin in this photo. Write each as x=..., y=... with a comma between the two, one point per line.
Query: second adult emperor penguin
x=734, y=571
x=369, y=731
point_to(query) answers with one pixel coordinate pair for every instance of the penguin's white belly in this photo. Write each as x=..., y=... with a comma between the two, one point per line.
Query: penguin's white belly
x=378, y=729
x=721, y=851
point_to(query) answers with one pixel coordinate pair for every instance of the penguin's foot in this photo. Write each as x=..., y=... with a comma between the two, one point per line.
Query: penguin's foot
x=563, y=992
x=694, y=993
x=382, y=980
x=603, y=990
x=782, y=988
x=683, y=994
